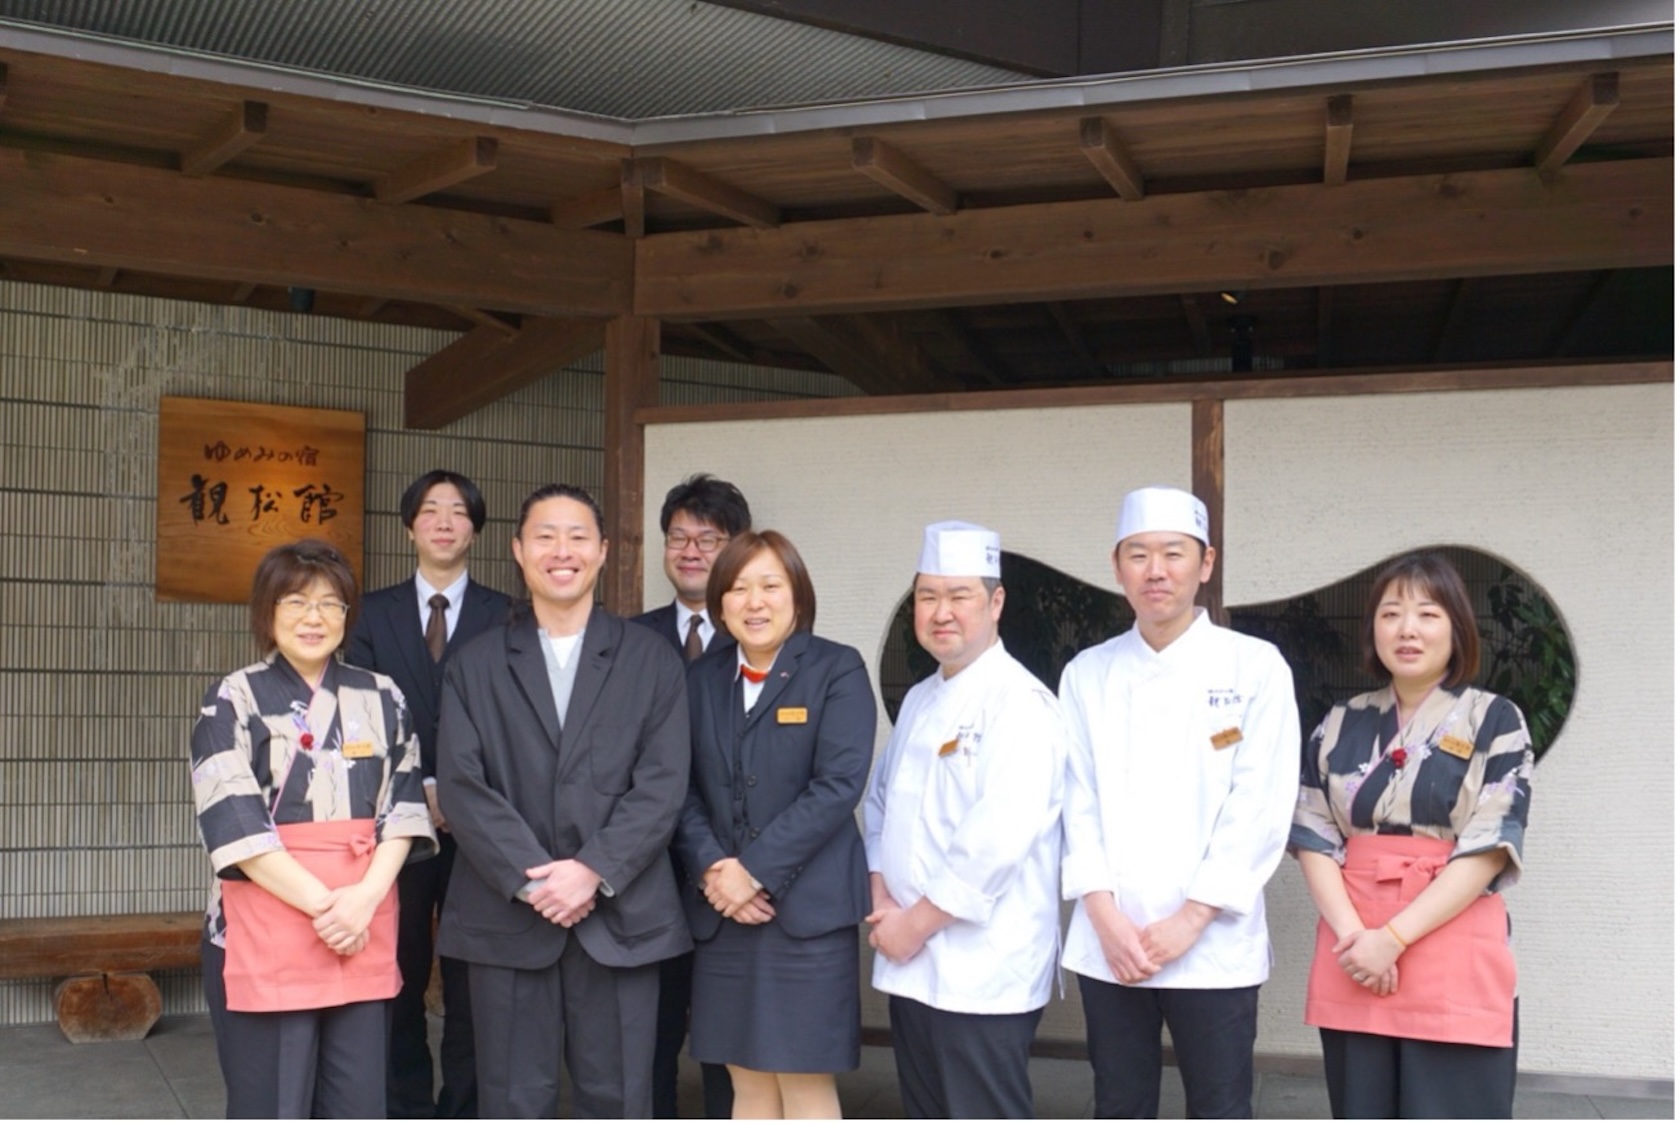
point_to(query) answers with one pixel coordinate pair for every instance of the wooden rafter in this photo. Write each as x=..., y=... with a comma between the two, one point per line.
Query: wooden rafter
x=1088, y=360
x=896, y=172
x=1105, y=152
x=976, y=355
x=1196, y=322
x=1325, y=332
x=243, y=127
x=870, y=352
x=1570, y=327
x=466, y=159
x=724, y=341
x=370, y=306
x=1609, y=214
x=1338, y=138
x=485, y=319
x=89, y=213
x=1592, y=103
x=632, y=199
x=1453, y=320
x=487, y=364
x=681, y=181
x=107, y=277
x=242, y=292
x=589, y=210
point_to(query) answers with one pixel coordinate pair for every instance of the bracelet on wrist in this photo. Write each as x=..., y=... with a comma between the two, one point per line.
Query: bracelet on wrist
x=1395, y=934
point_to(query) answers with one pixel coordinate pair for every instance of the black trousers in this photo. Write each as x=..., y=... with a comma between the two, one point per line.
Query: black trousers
x=1378, y=1076
x=600, y=1020
x=421, y=887
x=1213, y=1032
x=320, y=1063
x=955, y=1064
x=676, y=983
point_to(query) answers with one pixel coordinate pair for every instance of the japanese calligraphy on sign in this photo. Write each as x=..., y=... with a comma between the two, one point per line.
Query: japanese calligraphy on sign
x=236, y=478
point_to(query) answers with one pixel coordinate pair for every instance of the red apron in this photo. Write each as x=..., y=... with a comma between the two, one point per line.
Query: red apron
x=275, y=960
x=1458, y=984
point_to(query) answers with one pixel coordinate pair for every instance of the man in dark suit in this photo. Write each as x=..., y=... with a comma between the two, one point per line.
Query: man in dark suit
x=408, y=633
x=699, y=517
x=564, y=763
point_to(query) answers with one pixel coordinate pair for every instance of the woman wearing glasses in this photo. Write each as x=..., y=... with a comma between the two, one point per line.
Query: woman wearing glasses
x=309, y=800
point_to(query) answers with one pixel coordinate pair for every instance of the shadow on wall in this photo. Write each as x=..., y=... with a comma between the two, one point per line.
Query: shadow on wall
x=1048, y=617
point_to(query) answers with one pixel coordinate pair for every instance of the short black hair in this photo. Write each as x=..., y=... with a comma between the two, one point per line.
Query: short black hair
x=710, y=500
x=560, y=492
x=415, y=495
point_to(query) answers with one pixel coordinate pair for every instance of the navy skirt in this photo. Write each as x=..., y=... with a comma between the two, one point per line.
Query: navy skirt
x=767, y=1001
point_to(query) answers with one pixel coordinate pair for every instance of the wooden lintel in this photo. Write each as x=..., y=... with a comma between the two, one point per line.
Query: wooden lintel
x=1603, y=215
x=631, y=384
x=243, y=127
x=632, y=199
x=872, y=354
x=77, y=211
x=484, y=319
x=896, y=172
x=1326, y=330
x=466, y=159
x=1452, y=321
x=590, y=210
x=1088, y=360
x=486, y=364
x=1103, y=149
x=1196, y=321
x=681, y=181
x=107, y=277
x=1592, y=103
x=1338, y=138
x=242, y=293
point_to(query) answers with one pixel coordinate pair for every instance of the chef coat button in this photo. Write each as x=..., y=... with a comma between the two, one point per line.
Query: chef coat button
x=752, y=779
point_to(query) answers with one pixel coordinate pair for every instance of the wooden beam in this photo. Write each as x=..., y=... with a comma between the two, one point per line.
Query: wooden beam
x=1603, y=215
x=1570, y=327
x=1207, y=481
x=1326, y=329
x=242, y=293
x=680, y=181
x=591, y=210
x=632, y=199
x=464, y=160
x=1452, y=322
x=1338, y=138
x=1105, y=152
x=484, y=319
x=724, y=341
x=1092, y=367
x=976, y=356
x=872, y=353
x=632, y=384
x=1196, y=321
x=485, y=365
x=98, y=213
x=896, y=172
x=1592, y=103
x=244, y=127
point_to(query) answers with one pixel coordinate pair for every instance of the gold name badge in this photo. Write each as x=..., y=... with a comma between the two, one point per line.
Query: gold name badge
x=948, y=749
x=1228, y=737
x=358, y=749
x=790, y=715
x=1457, y=747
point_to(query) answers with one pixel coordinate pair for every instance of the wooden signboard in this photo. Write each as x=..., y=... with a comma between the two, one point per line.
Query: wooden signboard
x=236, y=478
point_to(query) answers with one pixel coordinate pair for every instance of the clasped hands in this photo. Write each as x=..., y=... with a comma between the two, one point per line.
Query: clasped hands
x=1371, y=959
x=567, y=894
x=1134, y=953
x=735, y=894
x=897, y=933
x=344, y=916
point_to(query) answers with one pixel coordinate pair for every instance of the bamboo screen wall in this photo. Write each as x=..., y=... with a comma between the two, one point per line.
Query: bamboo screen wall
x=99, y=682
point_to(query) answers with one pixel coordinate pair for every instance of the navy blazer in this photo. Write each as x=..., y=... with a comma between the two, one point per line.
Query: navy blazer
x=664, y=622
x=519, y=791
x=805, y=753
x=388, y=637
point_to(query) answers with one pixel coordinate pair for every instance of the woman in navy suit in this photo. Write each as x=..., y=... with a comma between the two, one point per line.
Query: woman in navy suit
x=783, y=724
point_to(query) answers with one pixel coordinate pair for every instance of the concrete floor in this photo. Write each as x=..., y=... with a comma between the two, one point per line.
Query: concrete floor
x=173, y=1073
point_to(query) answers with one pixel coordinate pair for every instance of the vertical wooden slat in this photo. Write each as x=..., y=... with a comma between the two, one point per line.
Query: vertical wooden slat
x=632, y=381
x=1207, y=481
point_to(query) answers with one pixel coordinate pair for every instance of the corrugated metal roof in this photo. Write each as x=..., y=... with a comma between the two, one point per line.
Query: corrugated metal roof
x=630, y=59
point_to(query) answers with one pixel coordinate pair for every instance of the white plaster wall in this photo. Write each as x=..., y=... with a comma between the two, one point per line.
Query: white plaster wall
x=1575, y=486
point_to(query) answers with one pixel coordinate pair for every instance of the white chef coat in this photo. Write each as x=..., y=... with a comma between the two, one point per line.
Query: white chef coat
x=1183, y=767
x=977, y=830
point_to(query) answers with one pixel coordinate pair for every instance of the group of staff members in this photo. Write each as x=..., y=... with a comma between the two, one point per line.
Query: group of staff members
x=1158, y=789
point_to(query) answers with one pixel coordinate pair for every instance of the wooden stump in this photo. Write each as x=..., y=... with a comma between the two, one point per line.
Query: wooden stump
x=108, y=1007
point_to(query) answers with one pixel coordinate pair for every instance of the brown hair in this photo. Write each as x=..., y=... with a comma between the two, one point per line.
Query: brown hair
x=289, y=569
x=734, y=559
x=1430, y=575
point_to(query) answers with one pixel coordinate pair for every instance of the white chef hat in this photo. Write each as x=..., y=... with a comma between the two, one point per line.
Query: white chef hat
x=954, y=549
x=1162, y=509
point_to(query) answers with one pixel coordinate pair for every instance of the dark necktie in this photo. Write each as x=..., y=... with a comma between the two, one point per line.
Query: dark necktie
x=692, y=648
x=437, y=627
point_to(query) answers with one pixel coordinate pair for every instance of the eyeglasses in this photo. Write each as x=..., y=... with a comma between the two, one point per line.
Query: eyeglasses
x=706, y=541
x=330, y=609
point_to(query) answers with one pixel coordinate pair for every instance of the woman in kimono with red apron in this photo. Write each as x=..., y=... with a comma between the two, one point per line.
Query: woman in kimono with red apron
x=1410, y=822
x=305, y=781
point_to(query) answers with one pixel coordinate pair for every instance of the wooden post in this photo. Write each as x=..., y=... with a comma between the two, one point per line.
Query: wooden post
x=632, y=382
x=1207, y=481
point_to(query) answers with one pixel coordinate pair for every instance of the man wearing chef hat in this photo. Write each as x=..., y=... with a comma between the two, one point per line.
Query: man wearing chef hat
x=1183, y=763
x=962, y=827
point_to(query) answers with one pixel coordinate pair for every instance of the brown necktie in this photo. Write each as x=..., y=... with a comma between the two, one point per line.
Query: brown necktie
x=437, y=627
x=692, y=648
